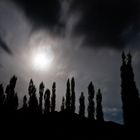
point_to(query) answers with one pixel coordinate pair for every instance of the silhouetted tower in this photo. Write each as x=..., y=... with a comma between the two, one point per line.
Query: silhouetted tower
x=82, y=105
x=73, y=95
x=11, y=101
x=99, y=111
x=47, y=101
x=68, y=97
x=63, y=104
x=53, y=98
x=129, y=92
x=33, y=102
x=2, y=97
x=41, y=91
x=91, y=106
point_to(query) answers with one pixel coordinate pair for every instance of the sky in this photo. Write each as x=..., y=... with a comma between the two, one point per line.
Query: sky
x=80, y=38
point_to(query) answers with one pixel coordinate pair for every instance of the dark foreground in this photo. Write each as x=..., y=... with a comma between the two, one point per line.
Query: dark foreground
x=61, y=125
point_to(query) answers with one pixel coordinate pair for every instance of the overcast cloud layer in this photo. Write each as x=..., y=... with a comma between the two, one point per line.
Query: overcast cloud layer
x=103, y=23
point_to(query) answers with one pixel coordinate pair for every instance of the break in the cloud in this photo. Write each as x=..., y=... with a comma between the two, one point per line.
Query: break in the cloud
x=102, y=23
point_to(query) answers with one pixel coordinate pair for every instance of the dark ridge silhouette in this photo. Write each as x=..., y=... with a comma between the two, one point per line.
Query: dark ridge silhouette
x=35, y=120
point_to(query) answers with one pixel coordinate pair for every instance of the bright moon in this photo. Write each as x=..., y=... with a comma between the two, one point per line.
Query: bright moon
x=42, y=58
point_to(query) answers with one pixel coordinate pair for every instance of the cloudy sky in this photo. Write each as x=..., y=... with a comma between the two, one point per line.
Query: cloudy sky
x=80, y=38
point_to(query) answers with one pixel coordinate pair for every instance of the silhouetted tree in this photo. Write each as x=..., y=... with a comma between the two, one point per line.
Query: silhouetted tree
x=15, y=102
x=63, y=104
x=68, y=97
x=41, y=91
x=82, y=105
x=73, y=95
x=99, y=111
x=53, y=98
x=31, y=87
x=11, y=97
x=47, y=101
x=91, y=106
x=2, y=97
x=33, y=102
x=129, y=92
x=25, y=103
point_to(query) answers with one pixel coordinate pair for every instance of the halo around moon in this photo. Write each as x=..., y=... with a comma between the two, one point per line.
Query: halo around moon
x=42, y=58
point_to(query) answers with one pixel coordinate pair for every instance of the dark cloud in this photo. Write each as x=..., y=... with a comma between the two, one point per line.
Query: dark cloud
x=4, y=46
x=104, y=22
x=43, y=13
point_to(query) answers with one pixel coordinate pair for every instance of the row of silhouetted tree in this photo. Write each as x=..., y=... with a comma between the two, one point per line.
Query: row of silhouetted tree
x=46, y=102
x=68, y=102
